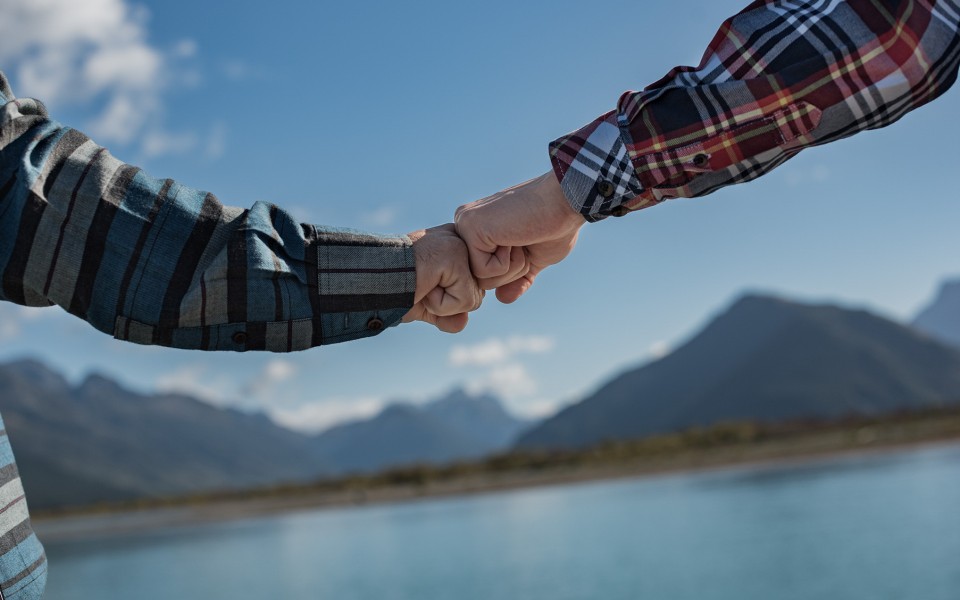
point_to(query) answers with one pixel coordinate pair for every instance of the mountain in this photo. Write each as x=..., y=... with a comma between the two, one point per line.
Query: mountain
x=769, y=360
x=941, y=318
x=456, y=427
x=101, y=442
x=481, y=418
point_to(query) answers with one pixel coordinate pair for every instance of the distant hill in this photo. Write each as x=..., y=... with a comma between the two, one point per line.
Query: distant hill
x=456, y=427
x=101, y=442
x=770, y=360
x=941, y=318
x=98, y=441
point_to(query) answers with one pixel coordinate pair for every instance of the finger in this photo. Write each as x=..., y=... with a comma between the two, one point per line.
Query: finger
x=414, y=314
x=452, y=323
x=512, y=291
x=487, y=259
x=461, y=295
x=447, y=324
x=519, y=266
x=486, y=263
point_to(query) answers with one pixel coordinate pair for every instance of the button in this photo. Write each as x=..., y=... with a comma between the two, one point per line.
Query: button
x=375, y=324
x=240, y=337
x=619, y=211
x=701, y=160
x=606, y=189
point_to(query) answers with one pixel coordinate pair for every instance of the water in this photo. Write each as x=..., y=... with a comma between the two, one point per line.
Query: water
x=875, y=527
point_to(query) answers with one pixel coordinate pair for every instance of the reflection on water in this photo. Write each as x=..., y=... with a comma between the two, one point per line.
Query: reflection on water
x=881, y=526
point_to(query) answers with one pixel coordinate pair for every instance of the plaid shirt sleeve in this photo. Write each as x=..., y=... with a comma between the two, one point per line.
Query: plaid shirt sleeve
x=779, y=77
x=152, y=261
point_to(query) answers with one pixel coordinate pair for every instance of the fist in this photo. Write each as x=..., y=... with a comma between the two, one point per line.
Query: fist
x=446, y=288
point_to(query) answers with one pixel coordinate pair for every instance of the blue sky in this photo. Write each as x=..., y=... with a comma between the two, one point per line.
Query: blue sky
x=385, y=116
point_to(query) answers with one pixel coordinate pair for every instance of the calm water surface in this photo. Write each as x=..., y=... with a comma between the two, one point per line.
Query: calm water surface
x=876, y=527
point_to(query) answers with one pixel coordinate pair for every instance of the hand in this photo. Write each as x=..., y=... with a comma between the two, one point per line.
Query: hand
x=446, y=289
x=515, y=234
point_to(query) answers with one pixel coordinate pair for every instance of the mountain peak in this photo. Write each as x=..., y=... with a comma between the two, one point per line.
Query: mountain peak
x=756, y=304
x=941, y=318
x=461, y=397
x=766, y=359
x=457, y=426
x=36, y=373
x=398, y=410
x=103, y=388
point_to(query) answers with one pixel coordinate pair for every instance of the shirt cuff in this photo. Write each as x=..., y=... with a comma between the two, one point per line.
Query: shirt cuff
x=365, y=283
x=594, y=169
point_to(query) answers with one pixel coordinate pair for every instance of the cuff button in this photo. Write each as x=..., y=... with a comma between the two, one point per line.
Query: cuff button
x=701, y=160
x=375, y=324
x=606, y=189
x=619, y=211
x=240, y=337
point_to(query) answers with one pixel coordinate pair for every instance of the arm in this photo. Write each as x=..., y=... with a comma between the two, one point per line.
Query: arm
x=155, y=262
x=778, y=77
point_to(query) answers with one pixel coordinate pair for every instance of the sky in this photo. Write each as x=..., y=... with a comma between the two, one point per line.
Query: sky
x=386, y=116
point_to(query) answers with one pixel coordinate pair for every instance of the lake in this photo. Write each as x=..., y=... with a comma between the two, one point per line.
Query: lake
x=877, y=526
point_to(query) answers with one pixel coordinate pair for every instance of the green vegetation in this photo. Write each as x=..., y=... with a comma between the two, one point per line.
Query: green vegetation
x=722, y=444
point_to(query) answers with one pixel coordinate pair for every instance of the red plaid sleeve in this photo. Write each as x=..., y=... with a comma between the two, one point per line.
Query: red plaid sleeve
x=778, y=77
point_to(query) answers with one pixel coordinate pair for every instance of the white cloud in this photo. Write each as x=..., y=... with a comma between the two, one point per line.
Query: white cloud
x=121, y=120
x=535, y=409
x=279, y=370
x=160, y=143
x=318, y=416
x=496, y=351
x=93, y=53
x=130, y=65
x=659, y=349
x=206, y=383
x=196, y=380
x=381, y=217
x=184, y=49
x=274, y=373
x=14, y=318
x=505, y=381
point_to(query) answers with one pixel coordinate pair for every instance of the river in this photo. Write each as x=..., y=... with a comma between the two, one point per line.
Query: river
x=880, y=526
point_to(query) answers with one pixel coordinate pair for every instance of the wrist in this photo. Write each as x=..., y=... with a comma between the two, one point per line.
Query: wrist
x=421, y=264
x=555, y=203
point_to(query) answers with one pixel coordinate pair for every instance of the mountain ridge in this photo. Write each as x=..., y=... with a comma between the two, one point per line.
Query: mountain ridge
x=457, y=426
x=765, y=359
x=98, y=441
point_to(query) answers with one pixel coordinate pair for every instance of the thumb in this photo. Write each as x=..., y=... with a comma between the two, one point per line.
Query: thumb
x=448, y=324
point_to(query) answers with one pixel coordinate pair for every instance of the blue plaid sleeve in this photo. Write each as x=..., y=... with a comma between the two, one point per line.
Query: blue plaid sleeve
x=152, y=261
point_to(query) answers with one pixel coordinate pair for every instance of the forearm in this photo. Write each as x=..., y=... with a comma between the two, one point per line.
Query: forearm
x=777, y=78
x=155, y=262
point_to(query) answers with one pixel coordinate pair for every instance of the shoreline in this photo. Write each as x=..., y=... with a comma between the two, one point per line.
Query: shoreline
x=823, y=447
